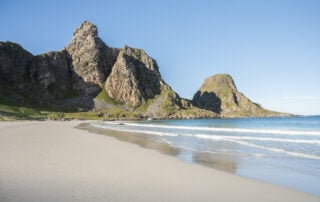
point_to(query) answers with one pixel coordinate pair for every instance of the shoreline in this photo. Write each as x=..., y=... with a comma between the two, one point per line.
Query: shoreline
x=155, y=143
x=239, y=165
x=54, y=161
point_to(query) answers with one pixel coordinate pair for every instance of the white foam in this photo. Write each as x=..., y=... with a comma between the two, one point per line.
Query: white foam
x=133, y=131
x=238, y=130
x=235, y=139
x=213, y=137
x=277, y=150
x=223, y=137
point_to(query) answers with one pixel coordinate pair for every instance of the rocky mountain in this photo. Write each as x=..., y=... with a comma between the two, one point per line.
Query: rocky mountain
x=219, y=94
x=88, y=75
x=139, y=75
x=91, y=59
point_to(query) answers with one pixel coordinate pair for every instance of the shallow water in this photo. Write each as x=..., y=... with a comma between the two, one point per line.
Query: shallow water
x=284, y=151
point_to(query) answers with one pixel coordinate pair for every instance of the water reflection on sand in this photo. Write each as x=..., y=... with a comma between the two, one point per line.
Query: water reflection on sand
x=214, y=160
x=143, y=140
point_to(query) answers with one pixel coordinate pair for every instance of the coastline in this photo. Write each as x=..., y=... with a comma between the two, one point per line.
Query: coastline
x=54, y=161
x=173, y=138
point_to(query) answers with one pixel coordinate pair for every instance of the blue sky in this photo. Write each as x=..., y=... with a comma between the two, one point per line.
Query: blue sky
x=271, y=48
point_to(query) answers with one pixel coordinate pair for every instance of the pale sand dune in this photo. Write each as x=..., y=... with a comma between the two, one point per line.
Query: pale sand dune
x=53, y=161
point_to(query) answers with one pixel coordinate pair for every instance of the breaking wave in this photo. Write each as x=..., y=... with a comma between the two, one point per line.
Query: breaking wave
x=243, y=140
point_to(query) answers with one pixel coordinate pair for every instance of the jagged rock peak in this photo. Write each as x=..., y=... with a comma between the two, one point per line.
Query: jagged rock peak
x=134, y=78
x=85, y=37
x=91, y=58
x=85, y=29
x=141, y=55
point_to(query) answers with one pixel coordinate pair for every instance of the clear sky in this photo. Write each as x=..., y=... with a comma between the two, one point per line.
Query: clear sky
x=271, y=48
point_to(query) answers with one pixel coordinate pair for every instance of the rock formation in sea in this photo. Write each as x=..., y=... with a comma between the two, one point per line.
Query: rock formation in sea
x=219, y=94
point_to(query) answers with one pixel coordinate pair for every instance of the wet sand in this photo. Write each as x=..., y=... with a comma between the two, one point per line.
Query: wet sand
x=54, y=161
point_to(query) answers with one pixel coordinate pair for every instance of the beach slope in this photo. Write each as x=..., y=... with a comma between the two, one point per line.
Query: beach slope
x=54, y=161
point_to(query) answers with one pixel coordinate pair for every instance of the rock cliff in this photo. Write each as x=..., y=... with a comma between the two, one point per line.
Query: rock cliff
x=13, y=71
x=134, y=79
x=89, y=75
x=91, y=59
x=14, y=60
x=219, y=94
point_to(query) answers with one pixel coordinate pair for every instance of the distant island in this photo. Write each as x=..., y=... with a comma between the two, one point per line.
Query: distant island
x=90, y=80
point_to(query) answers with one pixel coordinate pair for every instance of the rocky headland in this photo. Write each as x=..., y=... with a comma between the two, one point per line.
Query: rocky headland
x=219, y=94
x=89, y=76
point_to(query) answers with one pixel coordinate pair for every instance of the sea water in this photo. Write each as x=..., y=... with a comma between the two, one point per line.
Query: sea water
x=282, y=150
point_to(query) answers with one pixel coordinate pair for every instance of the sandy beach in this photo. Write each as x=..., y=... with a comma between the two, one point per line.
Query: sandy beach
x=54, y=161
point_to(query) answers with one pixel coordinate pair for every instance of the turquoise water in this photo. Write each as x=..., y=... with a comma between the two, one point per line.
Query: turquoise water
x=284, y=151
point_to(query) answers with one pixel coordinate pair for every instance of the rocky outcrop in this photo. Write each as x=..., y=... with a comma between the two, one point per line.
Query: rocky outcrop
x=49, y=79
x=134, y=79
x=89, y=75
x=91, y=58
x=13, y=62
x=219, y=94
x=13, y=72
x=51, y=70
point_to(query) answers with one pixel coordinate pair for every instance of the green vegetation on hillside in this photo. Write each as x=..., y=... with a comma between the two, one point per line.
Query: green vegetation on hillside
x=103, y=96
x=10, y=113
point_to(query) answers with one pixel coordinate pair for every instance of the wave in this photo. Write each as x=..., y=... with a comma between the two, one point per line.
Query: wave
x=214, y=137
x=217, y=137
x=135, y=131
x=236, y=139
x=277, y=150
x=238, y=130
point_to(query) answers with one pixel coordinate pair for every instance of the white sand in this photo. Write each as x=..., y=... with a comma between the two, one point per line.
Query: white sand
x=53, y=161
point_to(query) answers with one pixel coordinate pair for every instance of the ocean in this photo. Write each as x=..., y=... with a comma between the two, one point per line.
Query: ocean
x=279, y=150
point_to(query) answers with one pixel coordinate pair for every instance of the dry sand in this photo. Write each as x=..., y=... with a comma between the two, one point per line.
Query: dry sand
x=53, y=161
